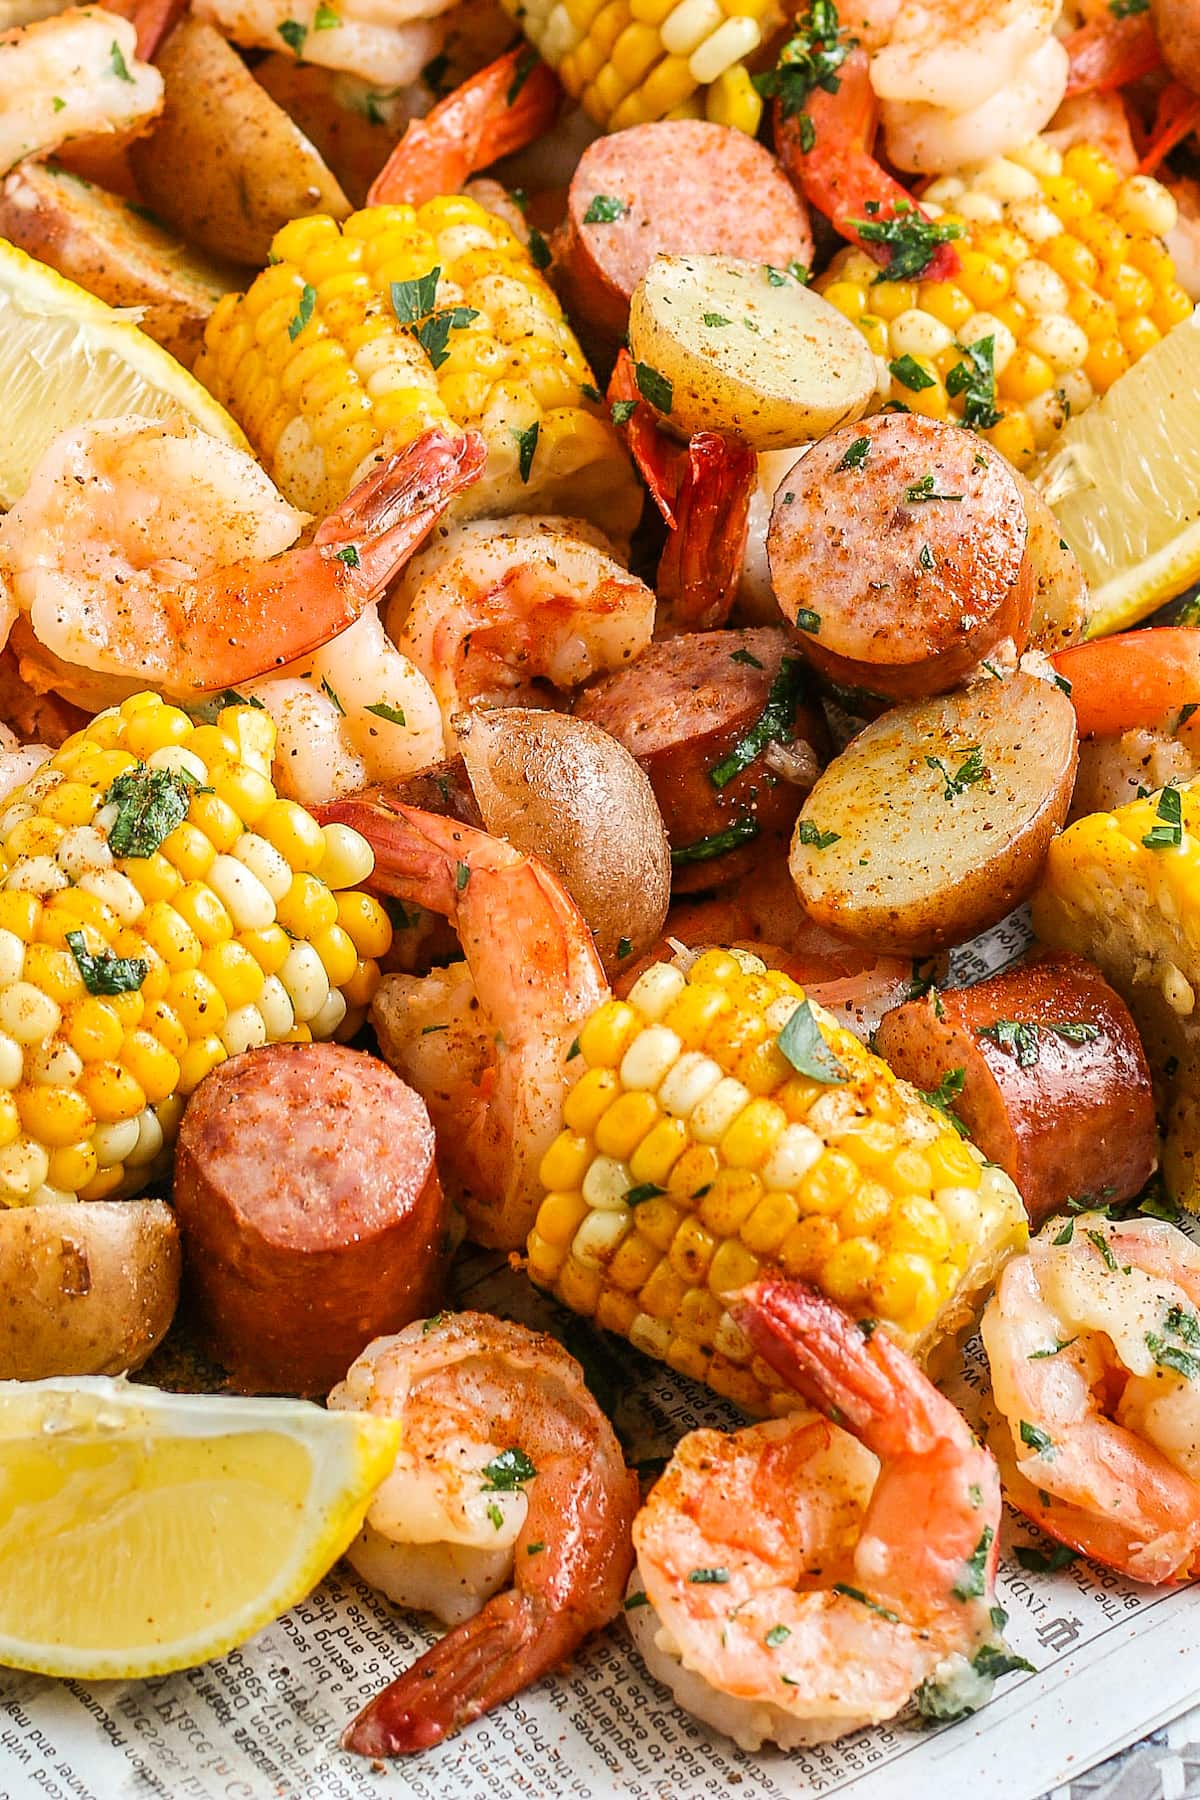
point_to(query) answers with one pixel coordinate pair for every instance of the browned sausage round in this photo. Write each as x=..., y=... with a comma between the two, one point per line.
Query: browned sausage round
x=684, y=709
x=677, y=186
x=1055, y=1083
x=311, y=1212
x=898, y=548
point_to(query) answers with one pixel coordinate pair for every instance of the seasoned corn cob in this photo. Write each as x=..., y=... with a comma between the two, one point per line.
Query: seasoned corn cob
x=405, y=317
x=1063, y=268
x=1120, y=888
x=631, y=61
x=160, y=910
x=694, y=1153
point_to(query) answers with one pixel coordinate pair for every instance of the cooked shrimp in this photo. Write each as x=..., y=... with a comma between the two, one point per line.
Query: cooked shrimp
x=505, y=106
x=72, y=76
x=152, y=552
x=509, y=1477
x=18, y=761
x=932, y=140
x=497, y=611
x=1093, y=1337
x=1098, y=119
x=956, y=57
x=495, y=1095
x=806, y=1578
x=387, y=42
x=355, y=712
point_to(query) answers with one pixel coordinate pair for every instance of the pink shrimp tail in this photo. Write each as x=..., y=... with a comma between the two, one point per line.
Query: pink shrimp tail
x=154, y=21
x=1109, y=53
x=839, y=174
x=496, y=112
x=703, y=490
x=1176, y=116
x=411, y=858
x=843, y=1367
x=388, y=514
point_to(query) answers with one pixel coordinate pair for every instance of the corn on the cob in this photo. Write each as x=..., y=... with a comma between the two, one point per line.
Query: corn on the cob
x=1063, y=267
x=160, y=910
x=694, y=1154
x=1120, y=888
x=632, y=61
x=404, y=317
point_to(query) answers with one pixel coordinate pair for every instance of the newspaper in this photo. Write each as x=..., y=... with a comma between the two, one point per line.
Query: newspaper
x=1113, y=1661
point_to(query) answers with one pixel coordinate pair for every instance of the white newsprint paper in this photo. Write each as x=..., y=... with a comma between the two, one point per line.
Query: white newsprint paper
x=1113, y=1662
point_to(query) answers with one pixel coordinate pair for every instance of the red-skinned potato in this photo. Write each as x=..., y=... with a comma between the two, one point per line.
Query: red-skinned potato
x=561, y=789
x=89, y=1287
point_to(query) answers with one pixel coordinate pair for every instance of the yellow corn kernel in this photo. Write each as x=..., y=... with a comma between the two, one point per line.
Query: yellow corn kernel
x=1013, y=437
x=189, y=851
x=153, y=876
x=866, y=1212
x=294, y=833
x=625, y=1123
x=103, y=1183
x=560, y=1216
x=946, y=302
x=663, y=1292
x=167, y=1027
x=1171, y=307
x=691, y=1251
x=20, y=913
x=1025, y=375
x=1138, y=334
x=633, y=1263
x=1127, y=288
x=952, y=1163
x=170, y=936
x=71, y=1167
x=732, y=1267
x=589, y=1099
x=55, y=972
x=270, y=947
x=608, y=1033
x=931, y=402
x=71, y=803
x=233, y=972
x=1068, y=199
x=731, y=1197
x=774, y=1216
x=849, y=1269
x=197, y=1003
x=1090, y=168
x=1105, y=361
x=199, y=1059
x=365, y=923
x=687, y=1359
x=849, y=297
x=307, y=908
x=615, y=1311
x=751, y=1138
x=1100, y=234
x=362, y=986
x=890, y=298
x=245, y=790
x=1071, y=258
x=699, y=1317
x=909, y=1171
x=111, y=1092
x=807, y=1248
x=34, y=837
x=916, y=1224
x=903, y=1289
x=693, y=1013
x=54, y=1116
x=827, y=1186
x=545, y=1260
x=1153, y=259
x=983, y=279
x=653, y=1159
x=199, y=907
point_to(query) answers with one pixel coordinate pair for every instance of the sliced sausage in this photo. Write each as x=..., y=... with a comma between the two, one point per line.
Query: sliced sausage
x=897, y=546
x=683, y=709
x=311, y=1210
x=1056, y=1088
x=678, y=186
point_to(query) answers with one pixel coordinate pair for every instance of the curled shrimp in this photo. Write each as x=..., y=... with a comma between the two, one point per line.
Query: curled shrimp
x=958, y=57
x=493, y=1068
x=499, y=609
x=505, y=106
x=932, y=140
x=387, y=42
x=151, y=552
x=509, y=1478
x=1093, y=1337
x=72, y=77
x=805, y=1577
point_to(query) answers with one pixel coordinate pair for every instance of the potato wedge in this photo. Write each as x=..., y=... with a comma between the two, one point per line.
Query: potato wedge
x=115, y=251
x=225, y=165
x=747, y=350
x=352, y=125
x=561, y=789
x=89, y=1288
x=933, y=822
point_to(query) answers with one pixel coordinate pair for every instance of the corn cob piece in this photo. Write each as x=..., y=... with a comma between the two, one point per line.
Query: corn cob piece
x=1120, y=889
x=160, y=910
x=1063, y=267
x=405, y=317
x=695, y=1154
x=632, y=61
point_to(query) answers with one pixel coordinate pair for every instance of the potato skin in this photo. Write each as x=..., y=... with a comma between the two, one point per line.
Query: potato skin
x=89, y=1288
x=224, y=164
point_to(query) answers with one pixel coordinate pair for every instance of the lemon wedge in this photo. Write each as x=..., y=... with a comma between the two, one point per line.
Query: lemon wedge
x=142, y=1531
x=1124, y=483
x=66, y=357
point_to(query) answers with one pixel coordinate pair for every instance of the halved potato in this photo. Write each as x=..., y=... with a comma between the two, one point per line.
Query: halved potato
x=747, y=350
x=89, y=1287
x=113, y=250
x=224, y=164
x=934, y=821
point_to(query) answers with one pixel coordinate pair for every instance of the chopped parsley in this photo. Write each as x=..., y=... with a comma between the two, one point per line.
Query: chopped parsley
x=526, y=63
x=994, y=1660
x=414, y=303
x=304, y=312
x=1168, y=833
x=1044, y=1562
x=910, y=374
x=495, y=1515
x=715, y=319
x=797, y=271
x=293, y=34
x=1059, y=1344
x=645, y=1190
x=969, y=771
x=325, y=18
x=945, y=1094
x=745, y=656
x=539, y=256
x=807, y=620
x=393, y=714
x=58, y=105
x=332, y=697
x=462, y=875
x=854, y=456
x=926, y=559
x=1065, y=1235
x=622, y=411
x=526, y=445
x=918, y=492
x=117, y=64
x=653, y=387
x=1036, y=1439
x=1105, y=1248
x=801, y=1041
x=810, y=60
x=1170, y=1356
x=586, y=388
x=209, y=711
x=535, y=1549
x=910, y=240
x=624, y=946
x=742, y=831
x=774, y=724
x=1127, y=9
x=971, y=1583
x=635, y=1600
x=777, y=1635
x=105, y=973
x=348, y=554
x=851, y=1593
x=1020, y=1040
x=975, y=380
x=511, y=1469
x=150, y=804
x=815, y=838
x=709, y=1577
x=603, y=209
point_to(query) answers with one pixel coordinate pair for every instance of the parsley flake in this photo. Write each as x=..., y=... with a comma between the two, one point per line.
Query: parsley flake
x=117, y=64
x=918, y=492
x=1168, y=833
x=803, y=1044
x=393, y=714
x=855, y=456
x=653, y=387
x=526, y=445
x=709, y=1577
x=969, y=771
x=510, y=1470
x=105, y=973
x=604, y=209
x=852, y=1593
x=911, y=241
x=293, y=34
x=815, y=838
x=1039, y=1441
x=1044, y=1562
x=742, y=831
x=348, y=554
x=807, y=620
x=975, y=380
x=150, y=804
x=971, y=1583
x=775, y=724
x=304, y=312
x=910, y=374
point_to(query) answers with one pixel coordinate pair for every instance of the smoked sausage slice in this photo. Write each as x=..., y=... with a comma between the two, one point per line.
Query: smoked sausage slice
x=1055, y=1085
x=311, y=1211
